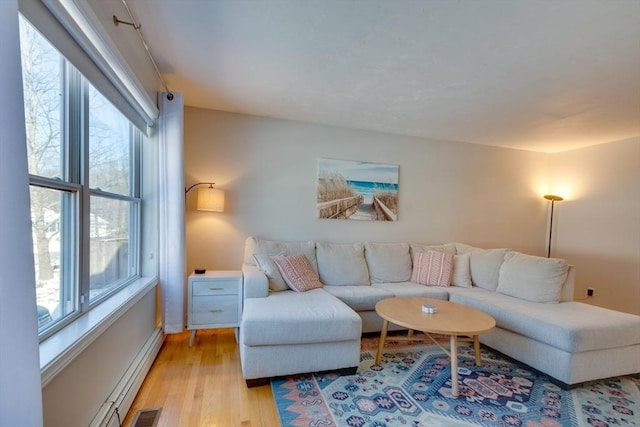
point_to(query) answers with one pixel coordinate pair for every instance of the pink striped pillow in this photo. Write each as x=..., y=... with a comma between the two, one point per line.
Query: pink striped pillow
x=297, y=272
x=432, y=268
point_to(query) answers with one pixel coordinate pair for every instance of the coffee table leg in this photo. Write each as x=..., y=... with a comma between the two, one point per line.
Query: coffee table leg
x=476, y=346
x=383, y=336
x=454, y=365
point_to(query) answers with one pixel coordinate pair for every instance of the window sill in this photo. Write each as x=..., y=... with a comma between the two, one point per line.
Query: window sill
x=59, y=350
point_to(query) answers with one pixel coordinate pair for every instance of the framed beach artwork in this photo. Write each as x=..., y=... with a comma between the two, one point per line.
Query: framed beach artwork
x=356, y=190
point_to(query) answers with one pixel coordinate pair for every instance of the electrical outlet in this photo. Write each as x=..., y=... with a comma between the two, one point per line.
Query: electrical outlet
x=590, y=292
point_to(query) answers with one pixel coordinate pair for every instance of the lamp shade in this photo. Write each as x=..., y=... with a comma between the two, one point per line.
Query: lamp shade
x=210, y=199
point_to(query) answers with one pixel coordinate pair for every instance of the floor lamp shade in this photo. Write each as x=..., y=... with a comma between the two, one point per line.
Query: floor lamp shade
x=210, y=199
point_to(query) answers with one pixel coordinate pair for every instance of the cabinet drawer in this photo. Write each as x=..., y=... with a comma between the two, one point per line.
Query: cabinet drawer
x=214, y=309
x=215, y=287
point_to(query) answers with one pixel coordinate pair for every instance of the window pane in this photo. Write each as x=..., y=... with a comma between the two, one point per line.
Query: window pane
x=109, y=245
x=42, y=85
x=52, y=220
x=109, y=146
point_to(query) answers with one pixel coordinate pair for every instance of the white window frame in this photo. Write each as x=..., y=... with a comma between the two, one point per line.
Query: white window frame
x=75, y=182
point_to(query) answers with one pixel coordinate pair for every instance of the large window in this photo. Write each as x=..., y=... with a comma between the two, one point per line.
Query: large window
x=84, y=182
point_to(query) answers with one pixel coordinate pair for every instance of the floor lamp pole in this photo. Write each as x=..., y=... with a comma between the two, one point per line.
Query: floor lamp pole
x=553, y=200
x=550, y=230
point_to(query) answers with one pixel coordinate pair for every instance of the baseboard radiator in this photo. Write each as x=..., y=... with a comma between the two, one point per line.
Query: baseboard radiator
x=115, y=409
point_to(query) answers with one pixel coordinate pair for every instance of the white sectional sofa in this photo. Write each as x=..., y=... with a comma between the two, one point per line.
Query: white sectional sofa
x=286, y=332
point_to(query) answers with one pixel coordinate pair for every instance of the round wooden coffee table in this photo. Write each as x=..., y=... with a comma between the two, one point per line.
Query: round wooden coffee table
x=455, y=320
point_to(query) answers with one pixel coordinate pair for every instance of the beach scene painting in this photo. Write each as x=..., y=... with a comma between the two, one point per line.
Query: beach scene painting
x=363, y=191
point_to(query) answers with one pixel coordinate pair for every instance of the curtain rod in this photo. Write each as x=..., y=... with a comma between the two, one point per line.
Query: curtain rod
x=138, y=27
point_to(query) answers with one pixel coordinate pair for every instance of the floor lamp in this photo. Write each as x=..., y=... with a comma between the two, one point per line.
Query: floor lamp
x=553, y=199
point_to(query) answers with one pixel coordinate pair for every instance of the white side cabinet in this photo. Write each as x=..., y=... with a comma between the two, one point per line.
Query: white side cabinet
x=215, y=301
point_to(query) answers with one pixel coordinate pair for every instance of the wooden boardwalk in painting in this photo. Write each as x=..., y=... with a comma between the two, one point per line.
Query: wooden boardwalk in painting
x=355, y=208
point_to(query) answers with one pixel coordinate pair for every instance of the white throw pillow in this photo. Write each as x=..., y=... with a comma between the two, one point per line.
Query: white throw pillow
x=485, y=267
x=342, y=264
x=388, y=262
x=532, y=278
x=266, y=264
x=461, y=271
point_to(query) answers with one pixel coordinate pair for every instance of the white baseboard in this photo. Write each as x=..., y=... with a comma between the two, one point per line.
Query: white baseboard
x=115, y=409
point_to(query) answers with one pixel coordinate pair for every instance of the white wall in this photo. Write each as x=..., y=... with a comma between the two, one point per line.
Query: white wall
x=486, y=196
x=74, y=396
x=598, y=224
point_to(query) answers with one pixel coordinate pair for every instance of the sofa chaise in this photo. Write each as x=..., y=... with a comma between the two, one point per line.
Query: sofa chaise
x=285, y=332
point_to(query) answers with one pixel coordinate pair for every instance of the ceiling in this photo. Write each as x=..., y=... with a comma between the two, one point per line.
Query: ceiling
x=537, y=75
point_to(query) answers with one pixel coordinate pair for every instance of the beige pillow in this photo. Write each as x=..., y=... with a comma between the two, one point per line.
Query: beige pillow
x=532, y=278
x=388, y=262
x=342, y=264
x=266, y=264
x=461, y=271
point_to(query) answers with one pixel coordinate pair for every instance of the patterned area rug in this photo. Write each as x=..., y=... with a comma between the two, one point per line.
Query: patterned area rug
x=412, y=387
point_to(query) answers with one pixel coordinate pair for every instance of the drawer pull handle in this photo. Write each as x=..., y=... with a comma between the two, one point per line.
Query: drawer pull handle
x=216, y=311
x=216, y=289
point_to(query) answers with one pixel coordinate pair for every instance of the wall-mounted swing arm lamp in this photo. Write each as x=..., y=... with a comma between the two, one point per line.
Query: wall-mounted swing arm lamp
x=209, y=198
x=553, y=199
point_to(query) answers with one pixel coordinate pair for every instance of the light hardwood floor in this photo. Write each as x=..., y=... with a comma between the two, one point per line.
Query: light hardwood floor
x=202, y=386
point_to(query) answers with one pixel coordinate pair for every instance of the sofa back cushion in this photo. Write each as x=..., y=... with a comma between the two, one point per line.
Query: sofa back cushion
x=342, y=264
x=255, y=245
x=485, y=267
x=420, y=247
x=462, y=248
x=258, y=252
x=532, y=278
x=388, y=262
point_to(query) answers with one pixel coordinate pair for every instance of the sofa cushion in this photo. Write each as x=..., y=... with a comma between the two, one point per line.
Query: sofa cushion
x=297, y=318
x=255, y=245
x=462, y=248
x=342, y=264
x=388, y=262
x=297, y=272
x=266, y=264
x=432, y=268
x=359, y=298
x=461, y=275
x=408, y=289
x=532, y=278
x=420, y=247
x=485, y=267
x=569, y=326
